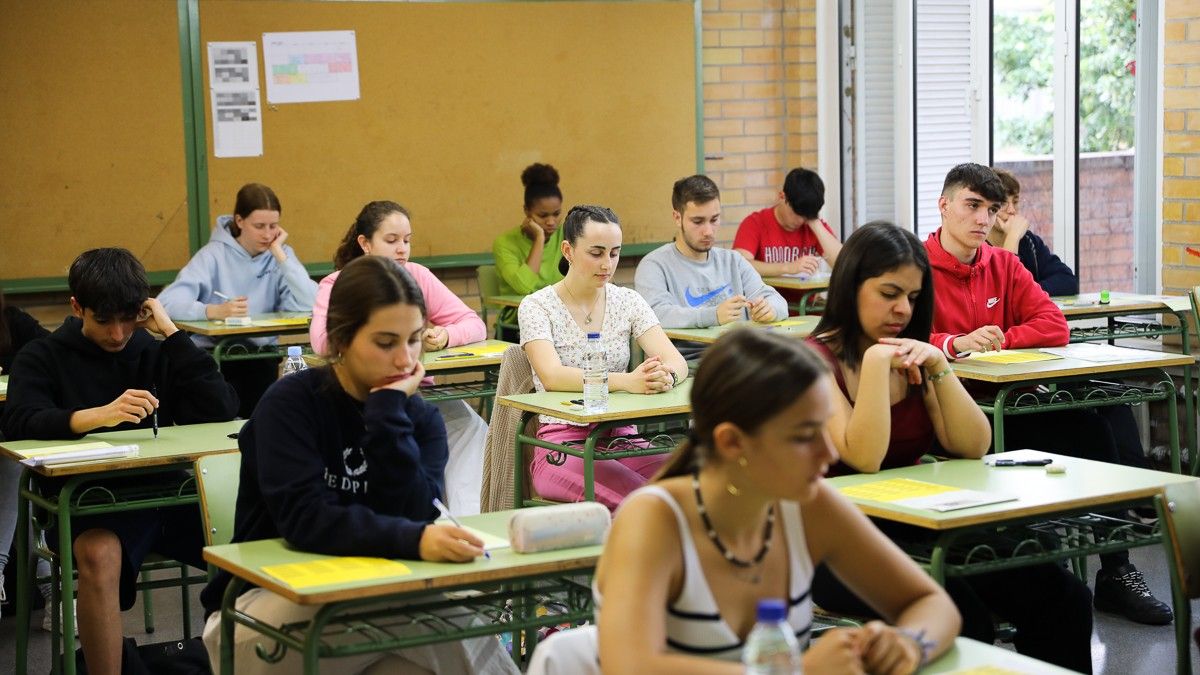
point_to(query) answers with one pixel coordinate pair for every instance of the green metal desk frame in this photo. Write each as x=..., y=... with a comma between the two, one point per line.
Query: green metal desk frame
x=354, y=627
x=653, y=443
x=1009, y=401
x=1117, y=330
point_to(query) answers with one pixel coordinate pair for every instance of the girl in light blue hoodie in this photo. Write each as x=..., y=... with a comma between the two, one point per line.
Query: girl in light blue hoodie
x=245, y=269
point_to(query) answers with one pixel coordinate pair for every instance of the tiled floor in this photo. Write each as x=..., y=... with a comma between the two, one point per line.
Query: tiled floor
x=1119, y=647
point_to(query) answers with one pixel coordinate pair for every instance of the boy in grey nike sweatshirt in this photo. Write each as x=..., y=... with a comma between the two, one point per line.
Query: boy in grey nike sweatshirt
x=685, y=293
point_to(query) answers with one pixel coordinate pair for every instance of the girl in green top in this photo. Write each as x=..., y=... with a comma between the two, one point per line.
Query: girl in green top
x=527, y=256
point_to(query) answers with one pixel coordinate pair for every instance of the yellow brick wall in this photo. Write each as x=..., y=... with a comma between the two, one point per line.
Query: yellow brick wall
x=1181, y=146
x=760, y=99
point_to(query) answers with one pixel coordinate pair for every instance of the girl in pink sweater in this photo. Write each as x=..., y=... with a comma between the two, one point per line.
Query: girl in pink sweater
x=383, y=229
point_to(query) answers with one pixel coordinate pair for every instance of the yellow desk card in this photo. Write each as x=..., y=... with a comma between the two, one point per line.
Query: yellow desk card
x=794, y=321
x=481, y=350
x=1007, y=356
x=895, y=489
x=292, y=321
x=917, y=494
x=336, y=571
x=57, y=449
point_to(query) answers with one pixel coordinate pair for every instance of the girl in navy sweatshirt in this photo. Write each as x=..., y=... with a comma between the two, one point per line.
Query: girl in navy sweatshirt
x=346, y=460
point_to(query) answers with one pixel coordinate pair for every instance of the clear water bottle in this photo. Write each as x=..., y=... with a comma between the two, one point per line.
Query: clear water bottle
x=595, y=376
x=772, y=648
x=294, y=363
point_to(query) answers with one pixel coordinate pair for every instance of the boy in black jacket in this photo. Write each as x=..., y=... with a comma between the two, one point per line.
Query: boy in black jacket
x=103, y=370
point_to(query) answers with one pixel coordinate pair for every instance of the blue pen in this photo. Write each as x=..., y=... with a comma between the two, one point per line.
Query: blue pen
x=437, y=503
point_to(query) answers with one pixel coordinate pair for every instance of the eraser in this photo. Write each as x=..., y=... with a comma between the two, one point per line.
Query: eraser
x=238, y=321
x=1055, y=468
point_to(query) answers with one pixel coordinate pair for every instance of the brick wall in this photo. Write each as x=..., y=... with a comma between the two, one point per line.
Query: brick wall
x=1181, y=146
x=760, y=99
x=1105, y=214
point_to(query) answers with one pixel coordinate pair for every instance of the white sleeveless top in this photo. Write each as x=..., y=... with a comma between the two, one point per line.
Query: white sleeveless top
x=694, y=625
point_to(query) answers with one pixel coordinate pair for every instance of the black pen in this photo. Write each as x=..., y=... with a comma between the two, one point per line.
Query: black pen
x=1022, y=462
x=154, y=393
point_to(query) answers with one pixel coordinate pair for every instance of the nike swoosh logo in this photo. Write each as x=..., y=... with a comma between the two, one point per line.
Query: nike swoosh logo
x=992, y=302
x=697, y=300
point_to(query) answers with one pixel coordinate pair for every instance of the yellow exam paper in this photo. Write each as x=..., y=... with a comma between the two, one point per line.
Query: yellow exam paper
x=336, y=571
x=895, y=489
x=54, y=449
x=1006, y=356
x=294, y=321
x=482, y=350
x=794, y=321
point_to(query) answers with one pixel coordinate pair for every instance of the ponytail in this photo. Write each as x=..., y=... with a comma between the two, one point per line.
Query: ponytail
x=684, y=460
x=348, y=249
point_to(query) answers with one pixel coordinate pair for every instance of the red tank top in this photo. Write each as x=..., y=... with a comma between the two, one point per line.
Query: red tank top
x=912, y=430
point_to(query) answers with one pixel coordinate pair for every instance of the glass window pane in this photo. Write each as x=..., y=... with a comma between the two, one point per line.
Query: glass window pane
x=1107, y=48
x=1023, y=108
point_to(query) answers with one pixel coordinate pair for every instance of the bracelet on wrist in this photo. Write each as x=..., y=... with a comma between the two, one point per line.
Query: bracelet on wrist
x=924, y=645
x=939, y=375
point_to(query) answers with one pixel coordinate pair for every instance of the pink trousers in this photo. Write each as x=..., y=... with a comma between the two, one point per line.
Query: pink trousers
x=614, y=478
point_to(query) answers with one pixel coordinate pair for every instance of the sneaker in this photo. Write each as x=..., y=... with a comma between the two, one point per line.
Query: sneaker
x=47, y=618
x=1123, y=591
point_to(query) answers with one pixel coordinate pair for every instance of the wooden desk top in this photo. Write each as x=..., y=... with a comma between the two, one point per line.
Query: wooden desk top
x=1086, y=484
x=446, y=359
x=1139, y=359
x=795, y=283
x=247, y=559
x=796, y=326
x=275, y=323
x=3, y=388
x=504, y=300
x=622, y=405
x=174, y=445
x=1088, y=304
x=967, y=655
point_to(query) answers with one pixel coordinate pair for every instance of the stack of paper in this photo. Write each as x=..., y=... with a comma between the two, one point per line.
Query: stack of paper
x=78, y=452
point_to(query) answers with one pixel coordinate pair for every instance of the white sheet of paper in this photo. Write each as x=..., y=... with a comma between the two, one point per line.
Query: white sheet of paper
x=304, y=67
x=490, y=541
x=955, y=500
x=1089, y=351
x=233, y=94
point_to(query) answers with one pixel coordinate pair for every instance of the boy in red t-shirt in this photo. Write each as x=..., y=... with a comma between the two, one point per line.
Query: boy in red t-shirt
x=789, y=238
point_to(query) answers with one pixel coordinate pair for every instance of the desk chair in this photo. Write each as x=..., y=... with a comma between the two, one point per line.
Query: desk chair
x=1179, y=513
x=489, y=285
x=515, y=377
x=217, y=479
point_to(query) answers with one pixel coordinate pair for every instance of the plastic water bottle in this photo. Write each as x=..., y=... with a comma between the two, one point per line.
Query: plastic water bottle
x=294, y=363
x=595, y=376
x=772, y=648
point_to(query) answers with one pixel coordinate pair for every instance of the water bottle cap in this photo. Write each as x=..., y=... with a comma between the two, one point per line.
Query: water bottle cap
x=294, y=351
x=772, y=609
x=593, y=336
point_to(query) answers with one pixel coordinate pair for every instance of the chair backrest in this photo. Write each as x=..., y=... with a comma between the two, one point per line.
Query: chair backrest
x=489, y=282
x=516, y=377
x=1179, y=512
x=217, y=479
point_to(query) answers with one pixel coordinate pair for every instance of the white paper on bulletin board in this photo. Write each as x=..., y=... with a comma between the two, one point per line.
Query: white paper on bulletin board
x=233, y=95
x=304, y=67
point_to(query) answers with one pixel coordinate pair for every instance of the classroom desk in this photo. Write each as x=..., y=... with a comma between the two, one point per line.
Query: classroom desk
x=796, y=326
x=971, y=656
x=1051, y=520
x=361, y=616
x=231, y=340
x=1070, y=387
x=80, y=491
x=623, y=408
x=1087, y=306
x=3, y=388
x=811, y=287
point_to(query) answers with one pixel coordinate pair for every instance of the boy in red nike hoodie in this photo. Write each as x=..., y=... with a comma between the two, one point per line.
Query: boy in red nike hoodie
x=986, y=300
